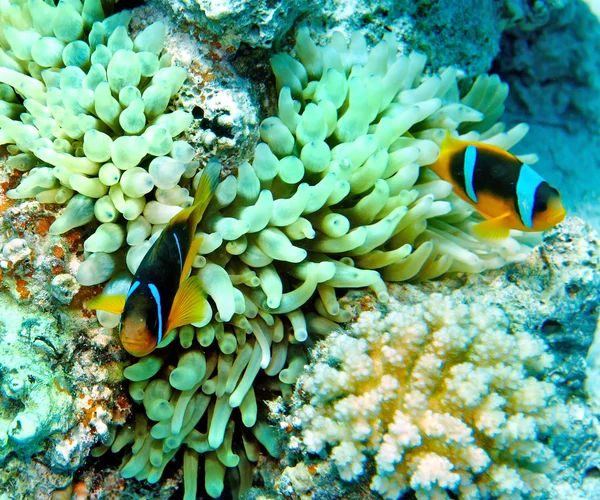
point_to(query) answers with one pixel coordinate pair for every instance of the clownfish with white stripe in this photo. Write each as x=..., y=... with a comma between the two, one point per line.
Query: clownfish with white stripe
x=162, y=297
x=506, y=191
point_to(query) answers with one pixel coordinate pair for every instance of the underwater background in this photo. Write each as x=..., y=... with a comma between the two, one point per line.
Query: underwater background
x=351, y=328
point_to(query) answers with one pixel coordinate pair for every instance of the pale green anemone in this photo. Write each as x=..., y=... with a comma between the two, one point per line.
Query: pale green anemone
x=84, y=113
x=336, y=197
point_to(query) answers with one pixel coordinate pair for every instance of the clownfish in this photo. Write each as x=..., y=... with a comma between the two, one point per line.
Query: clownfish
x=162, y=296
x=506, y=191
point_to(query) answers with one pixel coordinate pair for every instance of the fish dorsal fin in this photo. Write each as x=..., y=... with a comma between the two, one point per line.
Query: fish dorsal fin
x=109, y=303
x=189, y=305
x=493, y=229
x=206, y=188
x=189, y=259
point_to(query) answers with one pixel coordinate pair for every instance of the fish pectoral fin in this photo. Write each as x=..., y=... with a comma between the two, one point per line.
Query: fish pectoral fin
x=189, y=258
x=189, y=305
x=109, y=303
x=493, y=229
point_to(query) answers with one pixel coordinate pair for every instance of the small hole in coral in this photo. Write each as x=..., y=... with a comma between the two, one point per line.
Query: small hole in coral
x=592, y=473
x=128, y=4
x=197, y=112
x=550, y=327
x=216, y=127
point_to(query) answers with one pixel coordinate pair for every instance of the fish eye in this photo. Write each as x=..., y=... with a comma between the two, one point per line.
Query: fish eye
x=543, y=195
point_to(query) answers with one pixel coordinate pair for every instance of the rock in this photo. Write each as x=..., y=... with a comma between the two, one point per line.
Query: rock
x=16, y=250
x=36, y=401
x=555, y=87
x=64, y=288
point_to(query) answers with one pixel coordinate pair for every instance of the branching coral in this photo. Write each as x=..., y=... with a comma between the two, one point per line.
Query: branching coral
x=440, y=395
x=336, y=197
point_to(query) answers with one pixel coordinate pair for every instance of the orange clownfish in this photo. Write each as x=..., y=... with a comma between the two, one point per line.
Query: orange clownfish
x=162, y=296
x=506, y=191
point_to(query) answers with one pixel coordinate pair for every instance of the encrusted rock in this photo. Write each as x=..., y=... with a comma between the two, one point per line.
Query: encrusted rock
x=64, y=288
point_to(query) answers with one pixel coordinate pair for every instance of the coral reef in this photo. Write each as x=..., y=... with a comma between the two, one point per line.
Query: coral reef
x=555, y=294
x=440, y=396
x=300, y=221
x=353, y=174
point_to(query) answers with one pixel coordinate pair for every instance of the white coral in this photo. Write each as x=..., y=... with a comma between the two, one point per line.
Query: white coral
x=441, y=395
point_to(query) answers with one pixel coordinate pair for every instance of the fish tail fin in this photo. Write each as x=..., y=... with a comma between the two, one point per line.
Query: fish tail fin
x=206, y=188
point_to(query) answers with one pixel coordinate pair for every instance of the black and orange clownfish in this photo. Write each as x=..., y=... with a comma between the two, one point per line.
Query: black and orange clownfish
x=162, y=296
x=506, y=191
